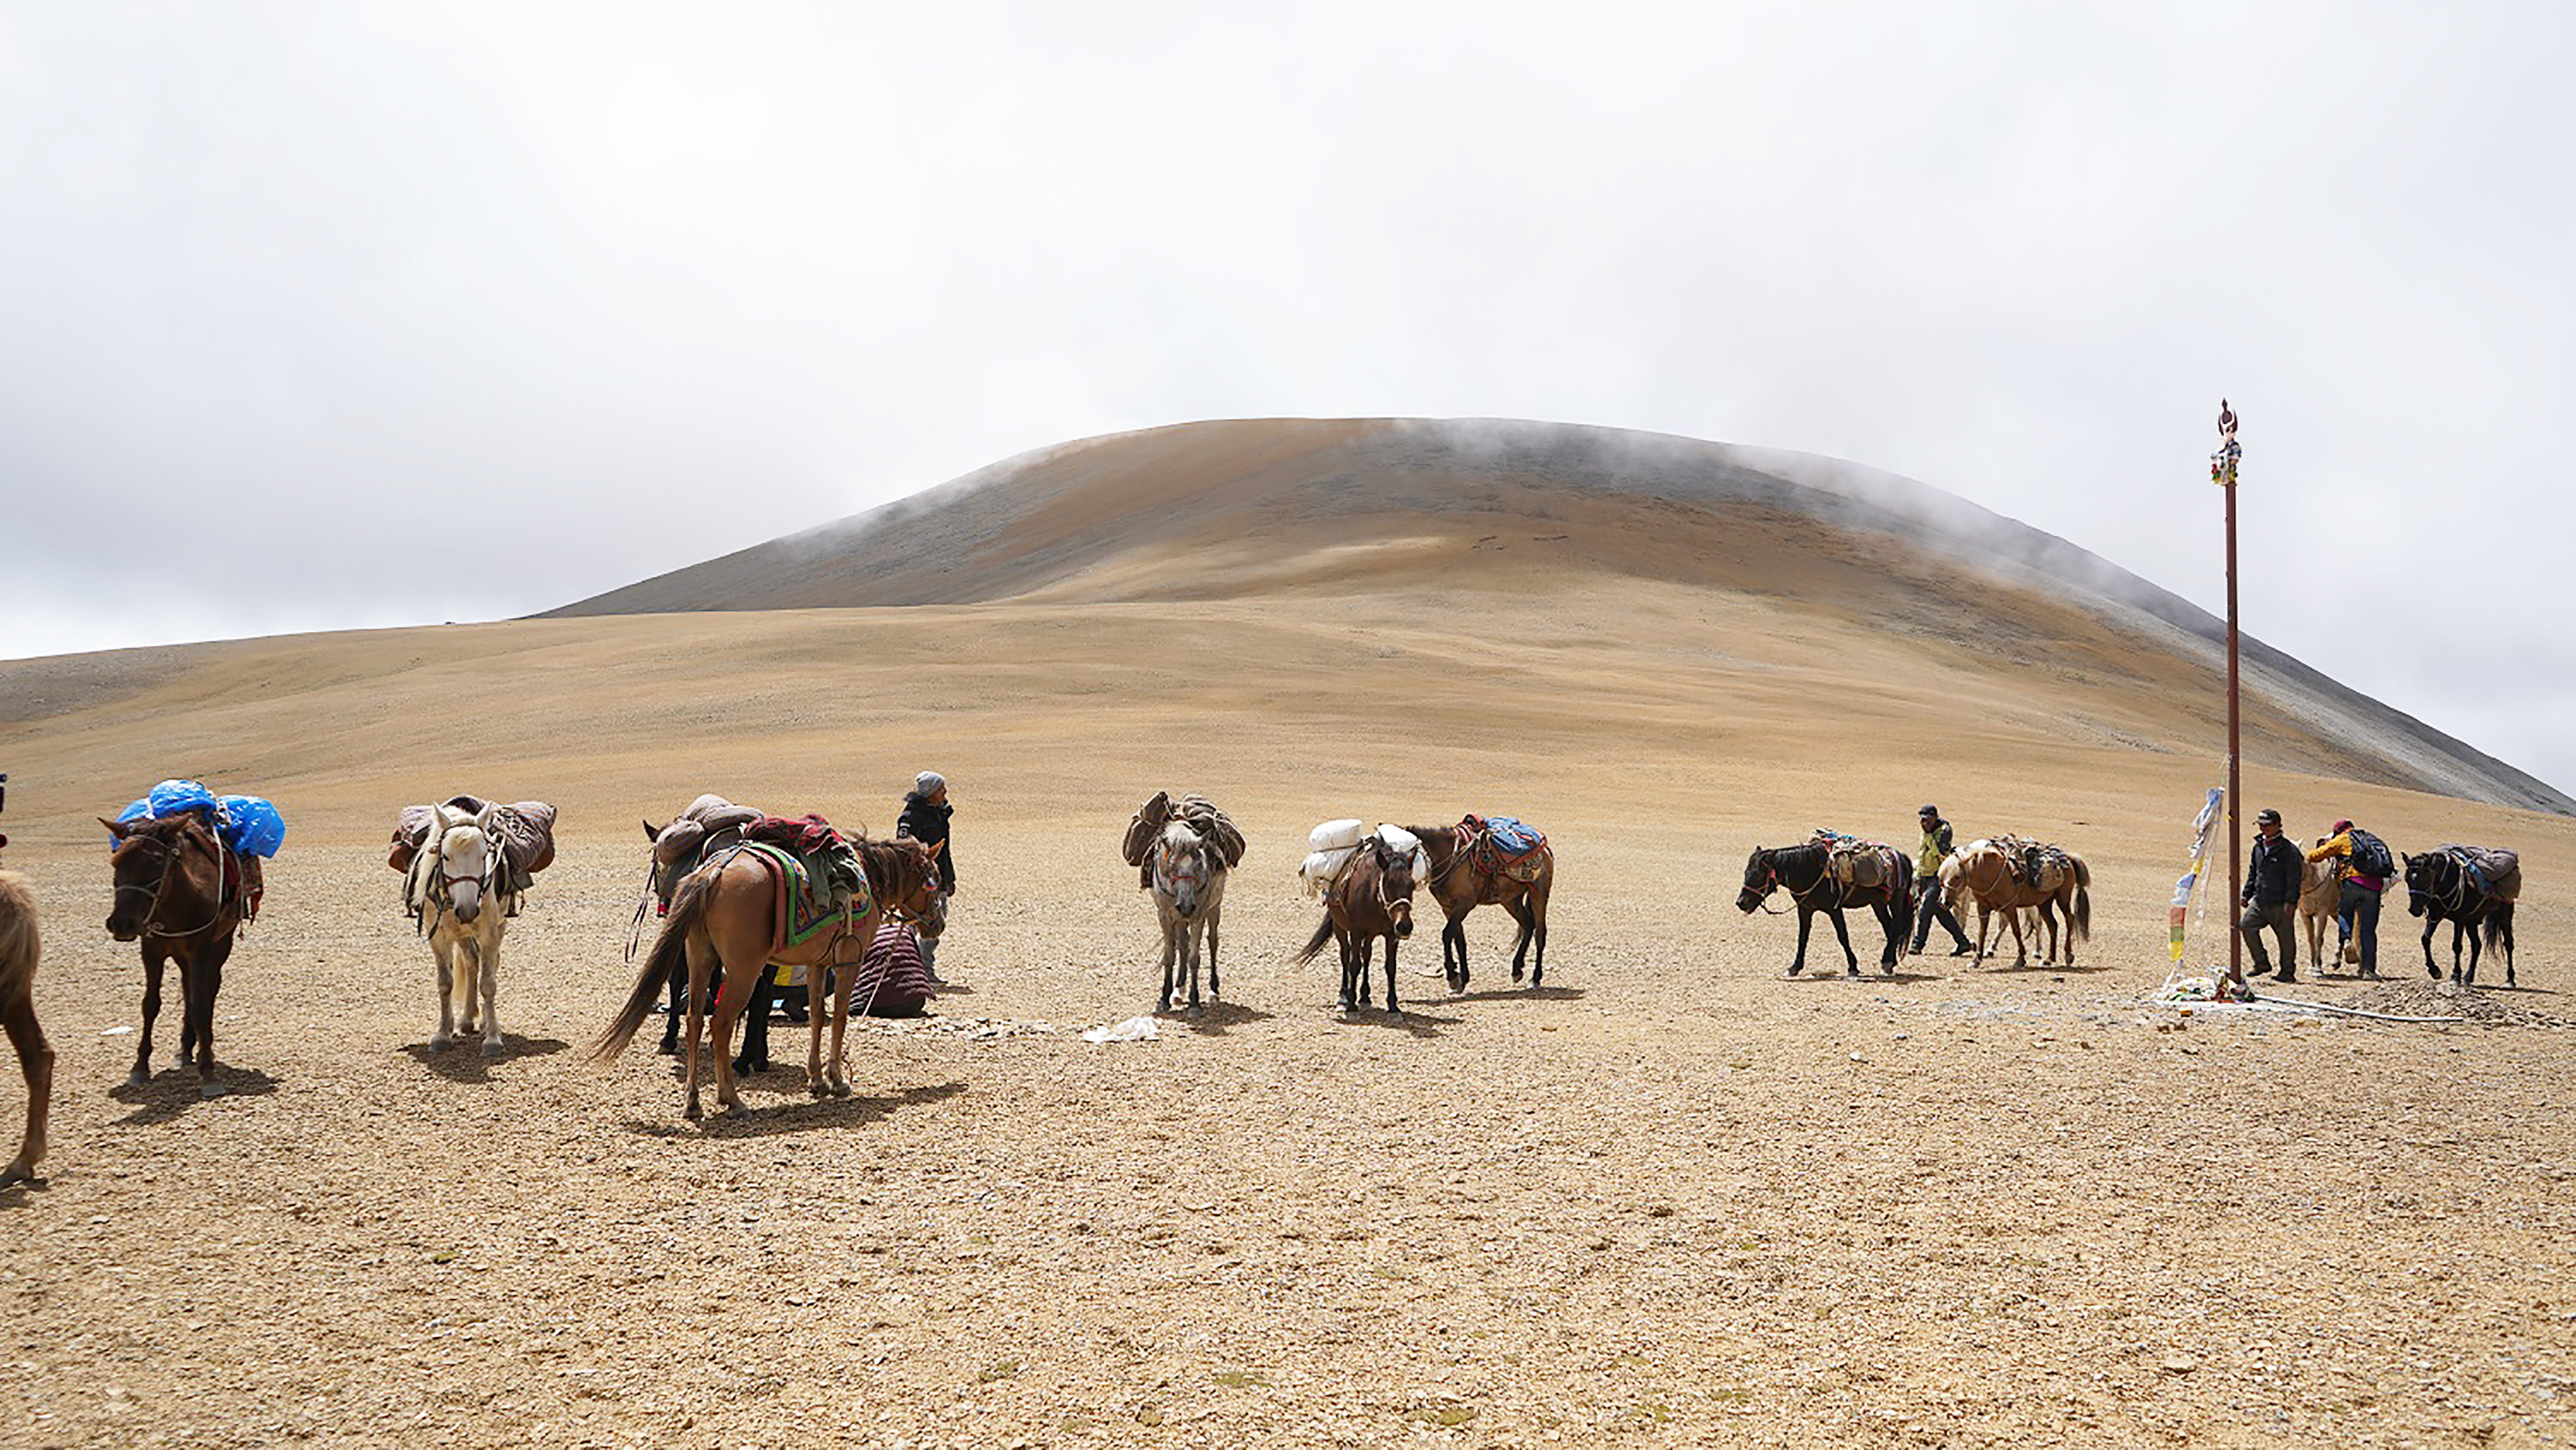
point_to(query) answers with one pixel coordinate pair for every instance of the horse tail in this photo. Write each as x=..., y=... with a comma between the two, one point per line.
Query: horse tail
x=670, y=953
x=2082, y=915
x=2499, y=925
x=1315, y=944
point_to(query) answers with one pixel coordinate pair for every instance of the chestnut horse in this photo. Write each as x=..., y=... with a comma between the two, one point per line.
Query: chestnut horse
x=725, y=915
x=181, y=894
x=1460, y=886
x=18, y=948
x=1805, y=872
x=1373, y=898
x=1983, y=872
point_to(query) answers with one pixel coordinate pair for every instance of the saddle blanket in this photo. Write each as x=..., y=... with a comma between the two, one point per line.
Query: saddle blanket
x=1858, y=864
x=1502, y=846
x=805, y=913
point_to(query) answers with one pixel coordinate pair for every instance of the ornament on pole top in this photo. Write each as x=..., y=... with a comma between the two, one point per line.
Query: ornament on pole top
x=2222, y=464
x=2226, y=420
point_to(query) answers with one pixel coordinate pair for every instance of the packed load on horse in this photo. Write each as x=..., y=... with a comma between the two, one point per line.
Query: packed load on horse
x=524, y=830
x=1332, y=846
x=248, y=826
x=1857, y=863
x=1194, y=811
x=2005, y=875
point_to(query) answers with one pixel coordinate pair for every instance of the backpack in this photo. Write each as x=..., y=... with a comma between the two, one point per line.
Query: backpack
x=2370, y=855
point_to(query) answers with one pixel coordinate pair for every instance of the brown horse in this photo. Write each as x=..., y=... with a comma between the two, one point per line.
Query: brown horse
x=1373, y=898
x=725, y=914
x=1461, y=885
x=182, y=893
x=18, y=949
x=1981, y=871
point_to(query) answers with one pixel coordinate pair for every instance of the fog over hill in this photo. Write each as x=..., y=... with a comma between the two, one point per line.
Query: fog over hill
x=1509, y=511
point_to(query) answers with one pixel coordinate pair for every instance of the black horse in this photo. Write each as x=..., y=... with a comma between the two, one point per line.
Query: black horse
x=1805, y=872
x=2440, y=886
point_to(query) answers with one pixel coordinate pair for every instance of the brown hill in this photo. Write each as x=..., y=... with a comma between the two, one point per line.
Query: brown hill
x=1500, y=518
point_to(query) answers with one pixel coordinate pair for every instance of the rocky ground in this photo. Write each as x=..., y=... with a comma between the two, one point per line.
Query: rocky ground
x=1671, y=1197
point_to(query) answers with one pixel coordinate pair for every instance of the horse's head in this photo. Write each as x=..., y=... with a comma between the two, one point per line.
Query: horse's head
x=1759, y=878
x=1182, y=868
x=675, y=854
x=462, y=864
x=2421, y=881
x=1394, y=885
x=915, y=889
x=149, y=857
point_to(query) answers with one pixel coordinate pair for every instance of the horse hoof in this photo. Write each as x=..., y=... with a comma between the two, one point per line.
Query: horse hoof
x=138, y=1078
x=1516, y=974
x=210, y=1090
x=693, y=1112
x=441, y=1044
x=1852, y=973
x=492, y=1047
x=840, y=1089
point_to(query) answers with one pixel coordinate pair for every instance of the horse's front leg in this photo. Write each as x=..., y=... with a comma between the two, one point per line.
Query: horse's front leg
x=1520, y=912
x=2473, y=934
x=754, y=1056
x=1171, y=959
x=1353, y=983
x=1806, y=922
x=443, y=952
x=1392, y=1010
x=1213, y=916
x=1453, y=951
x=152, y=964
x=1890, y=922
x=1190, y=963
x=36, y=1064
x=490, y=957
x=842, y=981
x=2432, y=924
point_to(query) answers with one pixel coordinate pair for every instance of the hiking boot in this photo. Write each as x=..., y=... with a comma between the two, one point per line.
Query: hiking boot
x=1964, y=949
x=2288, y=974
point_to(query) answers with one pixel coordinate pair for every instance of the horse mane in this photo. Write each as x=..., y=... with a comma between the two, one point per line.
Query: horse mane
x=882, y=860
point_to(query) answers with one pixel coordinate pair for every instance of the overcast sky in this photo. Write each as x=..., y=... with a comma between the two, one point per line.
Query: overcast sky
x=304, y=306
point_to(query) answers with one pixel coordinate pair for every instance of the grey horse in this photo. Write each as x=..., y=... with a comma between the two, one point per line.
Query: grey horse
x=1187, y=877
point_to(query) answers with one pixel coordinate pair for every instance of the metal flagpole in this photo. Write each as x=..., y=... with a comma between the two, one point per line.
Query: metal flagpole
x=2222, y=471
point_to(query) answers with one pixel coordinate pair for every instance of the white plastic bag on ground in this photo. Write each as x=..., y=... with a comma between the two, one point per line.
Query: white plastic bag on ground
x=1134, y=1029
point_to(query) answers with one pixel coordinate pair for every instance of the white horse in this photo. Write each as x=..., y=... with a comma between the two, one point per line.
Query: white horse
x=1188, y=880
x=459, y=891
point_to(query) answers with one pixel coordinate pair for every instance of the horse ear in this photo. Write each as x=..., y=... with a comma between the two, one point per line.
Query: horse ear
x=118, y=829
x=652, y=832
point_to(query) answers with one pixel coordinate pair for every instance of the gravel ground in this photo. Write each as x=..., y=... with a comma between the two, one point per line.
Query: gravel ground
x=1672, y=1197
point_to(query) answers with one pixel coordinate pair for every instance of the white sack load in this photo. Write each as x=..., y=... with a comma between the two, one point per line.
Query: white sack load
x=1323, y=868
x=1335, y=835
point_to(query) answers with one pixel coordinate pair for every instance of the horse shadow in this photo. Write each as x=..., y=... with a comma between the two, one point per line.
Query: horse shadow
x=1869, y=975
x=1520, y=994
x=465, y=1062
x=1215, y=1017
x=173, y=1092
x=805, y=1115
x=22, y=1195
x=1413, y=1020
x=2026, y=968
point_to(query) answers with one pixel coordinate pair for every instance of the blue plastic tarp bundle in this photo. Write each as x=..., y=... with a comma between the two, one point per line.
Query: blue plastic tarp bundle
x=1513, y=837
x=245, y=823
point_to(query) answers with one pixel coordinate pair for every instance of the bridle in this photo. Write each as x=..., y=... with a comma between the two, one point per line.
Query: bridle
x=1771, y=877
x=434, y=880
x=169, y=863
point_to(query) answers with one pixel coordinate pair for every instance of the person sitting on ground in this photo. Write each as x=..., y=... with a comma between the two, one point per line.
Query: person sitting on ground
x=890, y=980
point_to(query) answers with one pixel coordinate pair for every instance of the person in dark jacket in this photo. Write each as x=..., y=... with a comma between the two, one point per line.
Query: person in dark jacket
x=2271, y=895
x=925, y=819
x=1927, y=885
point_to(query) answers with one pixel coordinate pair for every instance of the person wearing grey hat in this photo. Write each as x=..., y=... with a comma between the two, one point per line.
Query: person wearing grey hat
x=925, y=819
x=2271, y=895
x=1927, y=885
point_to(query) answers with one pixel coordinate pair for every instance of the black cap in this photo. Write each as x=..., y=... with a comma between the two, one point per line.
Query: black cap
x=2267, y=814
x=1929, y=811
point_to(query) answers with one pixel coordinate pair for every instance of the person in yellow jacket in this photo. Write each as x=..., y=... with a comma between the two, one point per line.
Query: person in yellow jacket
x=1929, y=907
x=2357, y=903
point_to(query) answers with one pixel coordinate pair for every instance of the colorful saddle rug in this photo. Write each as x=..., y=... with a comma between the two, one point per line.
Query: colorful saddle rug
x=1502, y=846
x=803, y=912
